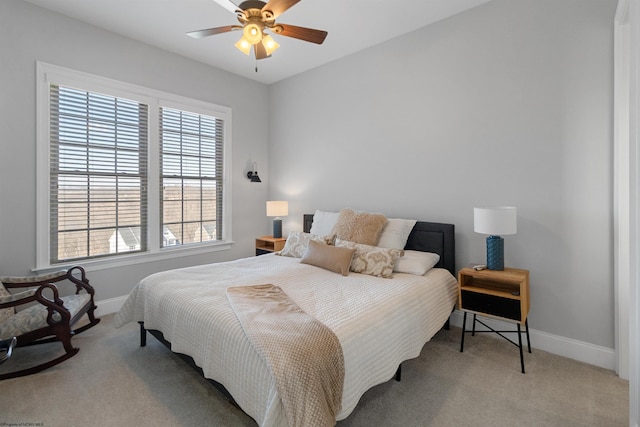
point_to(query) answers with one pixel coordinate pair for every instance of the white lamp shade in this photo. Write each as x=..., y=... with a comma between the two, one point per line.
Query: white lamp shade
x=495, y=221
x=277, y=208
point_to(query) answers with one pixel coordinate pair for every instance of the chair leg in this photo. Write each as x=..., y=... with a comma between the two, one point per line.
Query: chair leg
x=63, y=333
x=92, y=321
x=87, y=326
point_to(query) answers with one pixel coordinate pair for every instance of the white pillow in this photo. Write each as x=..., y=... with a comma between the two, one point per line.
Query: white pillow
x=323, y=222
x=416, y=262
x=396, y=233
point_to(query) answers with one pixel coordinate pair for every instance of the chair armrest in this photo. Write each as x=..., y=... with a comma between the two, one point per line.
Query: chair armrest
x=23, y=282
x=18, y=296
x=75, y=275
x=51, y=299
x=81, y=282
x=55, y=305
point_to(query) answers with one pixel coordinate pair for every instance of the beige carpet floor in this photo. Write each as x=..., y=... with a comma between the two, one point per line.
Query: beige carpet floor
x=115, y=382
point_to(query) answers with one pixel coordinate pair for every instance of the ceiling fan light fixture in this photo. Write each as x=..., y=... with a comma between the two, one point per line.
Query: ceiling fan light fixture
x=252, y=33
x=257, y=20
x=244, y=46
x=270, y=45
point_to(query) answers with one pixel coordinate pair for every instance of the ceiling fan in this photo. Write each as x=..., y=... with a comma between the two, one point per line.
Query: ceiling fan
x=257, y=17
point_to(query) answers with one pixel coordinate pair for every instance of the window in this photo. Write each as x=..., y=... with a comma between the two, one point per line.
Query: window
x=191, y=147
x=98, y=174
x=125, y=172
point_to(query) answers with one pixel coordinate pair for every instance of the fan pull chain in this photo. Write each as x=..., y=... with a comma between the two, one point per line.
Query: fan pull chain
x=256, y=65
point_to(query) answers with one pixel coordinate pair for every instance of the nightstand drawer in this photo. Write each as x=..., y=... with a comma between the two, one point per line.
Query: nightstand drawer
x=491, y=304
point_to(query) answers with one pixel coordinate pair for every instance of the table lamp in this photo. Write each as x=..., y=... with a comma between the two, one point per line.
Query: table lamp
x=495, y=221
x=277, y=209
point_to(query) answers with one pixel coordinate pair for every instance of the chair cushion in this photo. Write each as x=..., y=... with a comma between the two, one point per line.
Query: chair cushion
x=35, y=317
x=5, y=313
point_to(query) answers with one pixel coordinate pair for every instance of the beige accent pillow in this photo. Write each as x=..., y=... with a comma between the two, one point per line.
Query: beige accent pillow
x=297, y=243
x=359, y=227
x=328, y=257
x=372, y=260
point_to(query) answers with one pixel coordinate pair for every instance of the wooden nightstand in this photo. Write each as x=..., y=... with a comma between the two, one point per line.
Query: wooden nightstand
x=268, y=244
x=502, y=295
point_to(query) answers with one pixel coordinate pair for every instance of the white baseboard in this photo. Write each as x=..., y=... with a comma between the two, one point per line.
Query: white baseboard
x=109, y=306
x=567, y=347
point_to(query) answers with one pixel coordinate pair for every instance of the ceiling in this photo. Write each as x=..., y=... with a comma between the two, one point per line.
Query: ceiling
x=353, y=25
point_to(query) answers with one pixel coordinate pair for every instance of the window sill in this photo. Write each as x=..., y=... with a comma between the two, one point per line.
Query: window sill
x=137, y=258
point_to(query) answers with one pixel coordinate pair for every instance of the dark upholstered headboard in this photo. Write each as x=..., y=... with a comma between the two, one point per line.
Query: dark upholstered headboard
x=426, y=237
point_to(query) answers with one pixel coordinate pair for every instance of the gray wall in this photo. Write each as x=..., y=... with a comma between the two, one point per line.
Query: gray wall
x=509, y=103
x=29, y=34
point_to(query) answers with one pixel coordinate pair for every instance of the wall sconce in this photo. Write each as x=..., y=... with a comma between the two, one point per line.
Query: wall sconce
x=495, y=221
x=277, y=208
x=253, y=175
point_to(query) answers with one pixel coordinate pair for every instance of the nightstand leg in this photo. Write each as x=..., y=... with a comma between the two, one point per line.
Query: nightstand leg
x=464, y=325
x=526, y=324
x=473, y=330
x=520, y=346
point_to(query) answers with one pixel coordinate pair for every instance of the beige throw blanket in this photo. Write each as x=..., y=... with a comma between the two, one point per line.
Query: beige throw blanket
x=304, y=356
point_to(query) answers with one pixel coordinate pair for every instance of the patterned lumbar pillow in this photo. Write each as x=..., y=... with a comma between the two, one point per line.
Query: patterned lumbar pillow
x=359, y=227
x=298, y=241
x=372, y=259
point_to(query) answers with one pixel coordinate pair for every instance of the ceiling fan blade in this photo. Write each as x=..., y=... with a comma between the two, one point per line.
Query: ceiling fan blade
x=302, y=33
x=278, y=7
x=212, y=31
x=227, y=4
x=260, y=51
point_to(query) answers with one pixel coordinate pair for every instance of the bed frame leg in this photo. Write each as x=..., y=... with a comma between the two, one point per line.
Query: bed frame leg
x=447, y=325
x=143, y=335
x=399, y=373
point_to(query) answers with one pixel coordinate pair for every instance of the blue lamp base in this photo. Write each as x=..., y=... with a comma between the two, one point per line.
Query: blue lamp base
x=495, y=253
x=277, y=228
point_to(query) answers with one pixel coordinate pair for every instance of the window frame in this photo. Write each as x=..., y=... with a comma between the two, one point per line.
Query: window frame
x=47, y=74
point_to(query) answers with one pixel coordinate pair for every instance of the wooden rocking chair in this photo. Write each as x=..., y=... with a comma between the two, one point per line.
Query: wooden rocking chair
x=49, y=317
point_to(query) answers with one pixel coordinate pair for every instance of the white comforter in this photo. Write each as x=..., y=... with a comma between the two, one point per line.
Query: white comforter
x=379, y=322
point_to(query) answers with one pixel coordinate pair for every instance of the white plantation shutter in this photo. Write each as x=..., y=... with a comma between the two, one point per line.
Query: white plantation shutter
x=191, y=173
x=98, y=175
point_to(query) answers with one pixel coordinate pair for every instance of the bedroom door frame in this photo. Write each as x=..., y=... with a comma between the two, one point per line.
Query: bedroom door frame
x=626, y=201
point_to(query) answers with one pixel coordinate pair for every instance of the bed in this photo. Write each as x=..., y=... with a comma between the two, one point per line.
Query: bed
x=379, y=322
